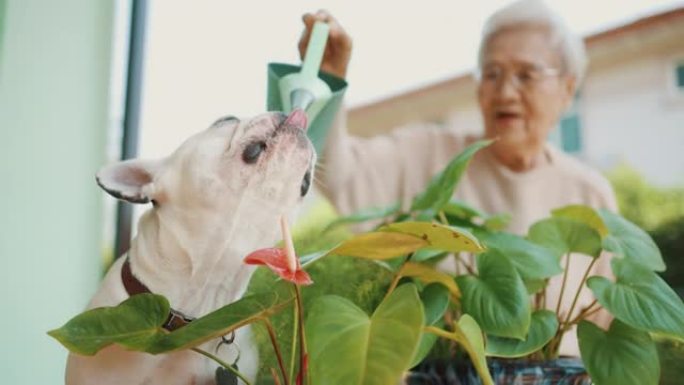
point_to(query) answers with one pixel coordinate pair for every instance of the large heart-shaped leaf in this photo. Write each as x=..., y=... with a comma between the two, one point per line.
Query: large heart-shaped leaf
x=496, y=298
x=365, y=215
x=347, y=347
x=429, y=274
x=640, y=298
x=621, y=356
x=442, y=186
x=564, y=235
x=135, y=324
x=220, y=322
x=379, y=245
x=531, y=260
x=627, y=240
x=543, y=327
x=584, y=214
x=438, y=236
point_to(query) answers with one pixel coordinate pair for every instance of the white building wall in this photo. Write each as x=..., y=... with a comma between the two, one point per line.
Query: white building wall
x=631, y=112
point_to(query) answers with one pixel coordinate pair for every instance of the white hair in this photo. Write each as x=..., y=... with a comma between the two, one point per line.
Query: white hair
x=524, y=13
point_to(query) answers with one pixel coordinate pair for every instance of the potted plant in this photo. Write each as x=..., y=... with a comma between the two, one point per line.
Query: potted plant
x=378, y=304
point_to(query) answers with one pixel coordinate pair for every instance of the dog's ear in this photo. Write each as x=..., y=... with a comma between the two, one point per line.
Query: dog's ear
x=130, y=180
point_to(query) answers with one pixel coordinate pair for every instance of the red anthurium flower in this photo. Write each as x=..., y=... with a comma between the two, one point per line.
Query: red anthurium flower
x=281, y=261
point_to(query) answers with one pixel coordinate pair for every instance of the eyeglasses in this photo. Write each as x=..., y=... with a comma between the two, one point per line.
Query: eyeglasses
x=523, y=78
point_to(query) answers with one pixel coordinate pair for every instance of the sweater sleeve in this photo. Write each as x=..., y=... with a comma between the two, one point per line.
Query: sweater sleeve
x=358, y=173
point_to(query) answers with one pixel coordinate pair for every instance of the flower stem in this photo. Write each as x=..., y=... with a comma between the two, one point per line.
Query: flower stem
x=302, y=337
x=586, y=312
x=295, y=336
x=275, y=376
x=276, y=348
x=565, y=281
x=443, y=218
x=397, y=276
x=467, y=266
x=223, y=363
x=579, y=289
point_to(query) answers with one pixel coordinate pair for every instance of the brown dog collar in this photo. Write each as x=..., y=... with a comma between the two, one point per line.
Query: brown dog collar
x=134, y=286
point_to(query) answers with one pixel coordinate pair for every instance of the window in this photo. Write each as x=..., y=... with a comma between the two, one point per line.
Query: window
x=570, y=133
x=679, y=76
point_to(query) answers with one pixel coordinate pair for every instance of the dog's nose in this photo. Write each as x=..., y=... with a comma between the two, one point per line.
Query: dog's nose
x=297, y=118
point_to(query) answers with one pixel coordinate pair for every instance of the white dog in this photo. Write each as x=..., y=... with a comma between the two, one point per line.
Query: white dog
x=215, y=199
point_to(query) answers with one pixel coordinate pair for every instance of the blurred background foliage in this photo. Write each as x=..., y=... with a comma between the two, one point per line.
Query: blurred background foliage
x=659, y=211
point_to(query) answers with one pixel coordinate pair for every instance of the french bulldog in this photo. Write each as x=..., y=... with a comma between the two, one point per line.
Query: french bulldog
x=217, y=198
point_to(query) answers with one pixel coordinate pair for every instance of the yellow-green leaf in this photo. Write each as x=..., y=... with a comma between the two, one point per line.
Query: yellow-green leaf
x=379, y=245
x=438, y=236
x=429, y=274
x=584, y=214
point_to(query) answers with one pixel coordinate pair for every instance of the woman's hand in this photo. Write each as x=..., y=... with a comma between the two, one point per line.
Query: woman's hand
x=337, y=50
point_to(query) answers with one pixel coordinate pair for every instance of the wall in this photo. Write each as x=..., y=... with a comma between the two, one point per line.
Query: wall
x=54, y=86
x=632, y=113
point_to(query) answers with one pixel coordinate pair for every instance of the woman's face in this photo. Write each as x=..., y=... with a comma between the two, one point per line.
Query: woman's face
x=523, y=90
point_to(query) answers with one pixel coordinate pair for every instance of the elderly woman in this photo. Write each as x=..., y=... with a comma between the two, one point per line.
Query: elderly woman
x=529, y=69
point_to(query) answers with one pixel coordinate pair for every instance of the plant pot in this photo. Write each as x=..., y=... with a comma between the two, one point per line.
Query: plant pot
x=562, y=371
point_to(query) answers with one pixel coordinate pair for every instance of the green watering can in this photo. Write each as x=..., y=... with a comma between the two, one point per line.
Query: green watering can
x=318, y=93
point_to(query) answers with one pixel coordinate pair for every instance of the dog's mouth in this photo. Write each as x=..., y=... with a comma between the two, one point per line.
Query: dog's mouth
x=306, y=184
x=297, y=119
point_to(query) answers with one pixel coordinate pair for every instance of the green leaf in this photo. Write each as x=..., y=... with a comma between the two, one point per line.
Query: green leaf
x=220, y=322
x=135, y=324
x=534, y=286
x=379, y=245
x=468, y=333
x=543, y=327
x=365, y=215
x=584, y=214
x=429, y=274
x=427, y=254
x=468, y=328
x=435, y=298
x=427, y=342
x=627, y=240
x=462, y=209
x=621, y=356
x=496, y=298
x=438, y=236
x=441, y=188
x=530, y=260
x=347, y=347
x=497, y=222
x=640, y=298
x=563, y=235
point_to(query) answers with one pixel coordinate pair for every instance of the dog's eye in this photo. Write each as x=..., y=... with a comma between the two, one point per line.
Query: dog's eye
x=252, y=152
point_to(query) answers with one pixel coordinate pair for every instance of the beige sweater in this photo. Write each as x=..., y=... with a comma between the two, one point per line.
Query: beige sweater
x=375, y=172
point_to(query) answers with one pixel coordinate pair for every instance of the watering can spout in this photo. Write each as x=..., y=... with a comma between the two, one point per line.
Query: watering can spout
x=301, y=98
x=316, y=94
